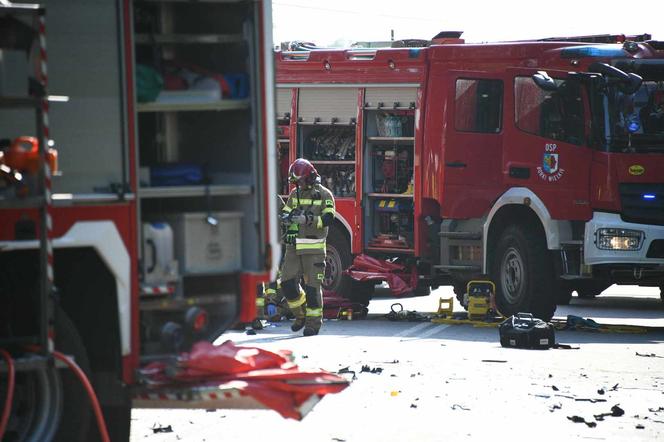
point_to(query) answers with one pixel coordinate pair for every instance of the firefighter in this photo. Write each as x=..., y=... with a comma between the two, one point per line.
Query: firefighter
x=308, y=213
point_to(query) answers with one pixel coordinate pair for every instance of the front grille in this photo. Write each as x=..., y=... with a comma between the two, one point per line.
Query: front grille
x=656, y=249
x=642, y=203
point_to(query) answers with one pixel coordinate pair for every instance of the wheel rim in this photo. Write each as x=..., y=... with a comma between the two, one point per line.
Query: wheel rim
x=332, y=269
x=37, y=406
x=512, y=276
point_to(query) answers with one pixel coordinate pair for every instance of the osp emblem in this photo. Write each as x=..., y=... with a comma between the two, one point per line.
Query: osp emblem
x=550, y=170
x=550, y=163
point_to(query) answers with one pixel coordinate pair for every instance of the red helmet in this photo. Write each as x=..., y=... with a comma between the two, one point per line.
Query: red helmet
x=302, y=172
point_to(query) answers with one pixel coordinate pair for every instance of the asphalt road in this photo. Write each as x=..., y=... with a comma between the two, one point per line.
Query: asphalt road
x=450, y=382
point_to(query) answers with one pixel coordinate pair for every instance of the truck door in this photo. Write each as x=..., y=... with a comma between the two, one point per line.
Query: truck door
x=546, y=142
x=472, y=141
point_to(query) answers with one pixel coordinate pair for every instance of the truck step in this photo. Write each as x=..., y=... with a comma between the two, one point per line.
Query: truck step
x=464, y=268
x=461, y=235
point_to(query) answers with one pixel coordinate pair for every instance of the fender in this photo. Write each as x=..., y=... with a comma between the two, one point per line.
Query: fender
x=105, y=239
x=557, y=231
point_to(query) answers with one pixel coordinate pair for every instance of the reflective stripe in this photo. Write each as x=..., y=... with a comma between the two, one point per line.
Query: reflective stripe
x=310, y=247
x=298, y=302
x=270, y=291
x=320, y=276
x=286, y=209
x=314, y=312
x=328, y=210
x=329, y=203
x=306, y=202
x=319, y=223
x=260, y=302
x=310, y=240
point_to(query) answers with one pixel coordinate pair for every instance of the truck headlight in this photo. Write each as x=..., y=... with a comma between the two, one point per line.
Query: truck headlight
x=618, y=239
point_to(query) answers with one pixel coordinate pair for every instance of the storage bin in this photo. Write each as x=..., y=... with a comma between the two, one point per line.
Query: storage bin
x=202, y=248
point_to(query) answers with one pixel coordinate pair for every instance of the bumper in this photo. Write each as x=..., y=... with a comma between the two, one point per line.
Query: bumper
x=593, y=255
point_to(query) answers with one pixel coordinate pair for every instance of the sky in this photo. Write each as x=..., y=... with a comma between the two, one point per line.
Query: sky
x=341, y=22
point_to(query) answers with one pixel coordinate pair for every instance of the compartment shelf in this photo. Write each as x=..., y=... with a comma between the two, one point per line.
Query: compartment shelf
x=389, y=195
x=395, y=140
x=188, y=38
x=194, y=191
x=217, y=105
x=333, y=162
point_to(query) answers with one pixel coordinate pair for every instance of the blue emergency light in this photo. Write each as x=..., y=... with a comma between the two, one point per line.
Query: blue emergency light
x=648, y=196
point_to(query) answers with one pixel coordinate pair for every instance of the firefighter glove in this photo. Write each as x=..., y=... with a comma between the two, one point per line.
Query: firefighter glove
x=291, y=234
x=271, y=310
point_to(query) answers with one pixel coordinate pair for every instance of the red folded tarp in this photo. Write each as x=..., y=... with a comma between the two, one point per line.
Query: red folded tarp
x=366, y=269
x=270, y=378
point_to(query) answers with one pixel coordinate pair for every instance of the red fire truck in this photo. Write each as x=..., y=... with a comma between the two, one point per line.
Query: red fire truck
x=159, y=221
x=539, y=164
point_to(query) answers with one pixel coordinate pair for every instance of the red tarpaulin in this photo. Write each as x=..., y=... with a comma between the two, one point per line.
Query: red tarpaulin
x=366, y=269
x=270, y=378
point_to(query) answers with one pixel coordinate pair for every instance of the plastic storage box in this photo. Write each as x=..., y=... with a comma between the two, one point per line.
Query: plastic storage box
x=203, y=248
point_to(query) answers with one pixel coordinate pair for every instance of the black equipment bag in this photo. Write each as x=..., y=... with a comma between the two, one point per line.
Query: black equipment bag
x=524, y=331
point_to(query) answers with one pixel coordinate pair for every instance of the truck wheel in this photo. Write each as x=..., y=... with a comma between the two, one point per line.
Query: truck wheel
x=590, y=289
x=77, y=410
x=337, y=259
x=562, y=292
x=522, y=270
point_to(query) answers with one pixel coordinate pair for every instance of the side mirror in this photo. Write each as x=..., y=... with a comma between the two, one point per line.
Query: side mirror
x=629, y=82
x=542, y=79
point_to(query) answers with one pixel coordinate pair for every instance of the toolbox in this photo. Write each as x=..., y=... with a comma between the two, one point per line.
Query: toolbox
x=202, y=247
x=524, y=331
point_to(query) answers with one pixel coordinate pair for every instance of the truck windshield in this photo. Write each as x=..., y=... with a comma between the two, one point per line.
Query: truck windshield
x=634, y=122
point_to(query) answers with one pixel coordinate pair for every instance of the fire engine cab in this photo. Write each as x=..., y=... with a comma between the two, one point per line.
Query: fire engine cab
x=538, y=163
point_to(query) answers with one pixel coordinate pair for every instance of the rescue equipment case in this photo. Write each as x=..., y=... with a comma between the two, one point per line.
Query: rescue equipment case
x=524, y=331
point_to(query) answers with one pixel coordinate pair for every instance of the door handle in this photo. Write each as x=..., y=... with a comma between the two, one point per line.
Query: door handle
x=519, y=172
x=455, y=164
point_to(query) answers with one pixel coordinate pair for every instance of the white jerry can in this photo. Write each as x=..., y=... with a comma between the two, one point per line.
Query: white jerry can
x=159, y=262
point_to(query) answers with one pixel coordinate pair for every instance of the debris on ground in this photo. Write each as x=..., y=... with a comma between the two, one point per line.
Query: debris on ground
x=251, y=331
x=159, y=429
x=656, y=410
x=640, y=427
x=648, y=355
x=211, y=410
x=460, y=407
x=591, y=400
x=579, y=420
x=499, y=361
x=367, y=369
x=615, y=387
x=600, y=391
x=554, y=388
x=413, y=406
x=616, y=411
x=555, y=407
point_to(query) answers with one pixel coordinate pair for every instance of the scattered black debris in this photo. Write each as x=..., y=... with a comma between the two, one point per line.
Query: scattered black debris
x=338, y=439
x=413, y=375
x=251, y=331
x=347, y=370
x=211, y=410
x=367, y=369
x=161, y=429
x=545, y=396
x=579, y=419
x=583, y=375
x=413, y=406
x=554, y=388
x=500, y=361
x=550, y=375
x=591, y=400
x=640, y=427
x=555, y=407
x=565, y=347
x=600, y=391
x=417, y=399
x=615, y=387
x=656, y=410
x=393, y=376
x=649, y=355
x=616, y=411
x=566, y=396
x=305, y=357
x=460, y=407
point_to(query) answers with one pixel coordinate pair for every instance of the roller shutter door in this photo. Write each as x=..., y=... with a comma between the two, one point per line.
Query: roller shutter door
x=327, y=104
x=283, y=102
x=403, y=96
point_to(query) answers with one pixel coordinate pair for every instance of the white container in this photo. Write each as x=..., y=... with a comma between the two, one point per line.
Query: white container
x=201, y=247
x=159, y=262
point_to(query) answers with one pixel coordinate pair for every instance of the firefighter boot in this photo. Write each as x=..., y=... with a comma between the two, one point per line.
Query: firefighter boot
x=314, y=316
x=296, y=303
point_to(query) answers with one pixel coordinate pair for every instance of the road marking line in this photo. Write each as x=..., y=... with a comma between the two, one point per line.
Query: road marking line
x=434, y=330
x=413, y=329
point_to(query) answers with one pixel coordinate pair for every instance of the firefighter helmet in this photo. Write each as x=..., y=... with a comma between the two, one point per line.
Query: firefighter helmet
x=302, y=173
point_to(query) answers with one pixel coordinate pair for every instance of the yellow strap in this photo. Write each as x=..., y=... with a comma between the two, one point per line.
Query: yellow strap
x=314, y=311
x=298, y=302
x=260, y=302
x=270, y=291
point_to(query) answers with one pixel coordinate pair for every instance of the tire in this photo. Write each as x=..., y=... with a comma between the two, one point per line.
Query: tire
x=460, y=290
x=77, y=415
x=523, y=272
x=590, y=289
x=562, y=292
x=337, y=259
